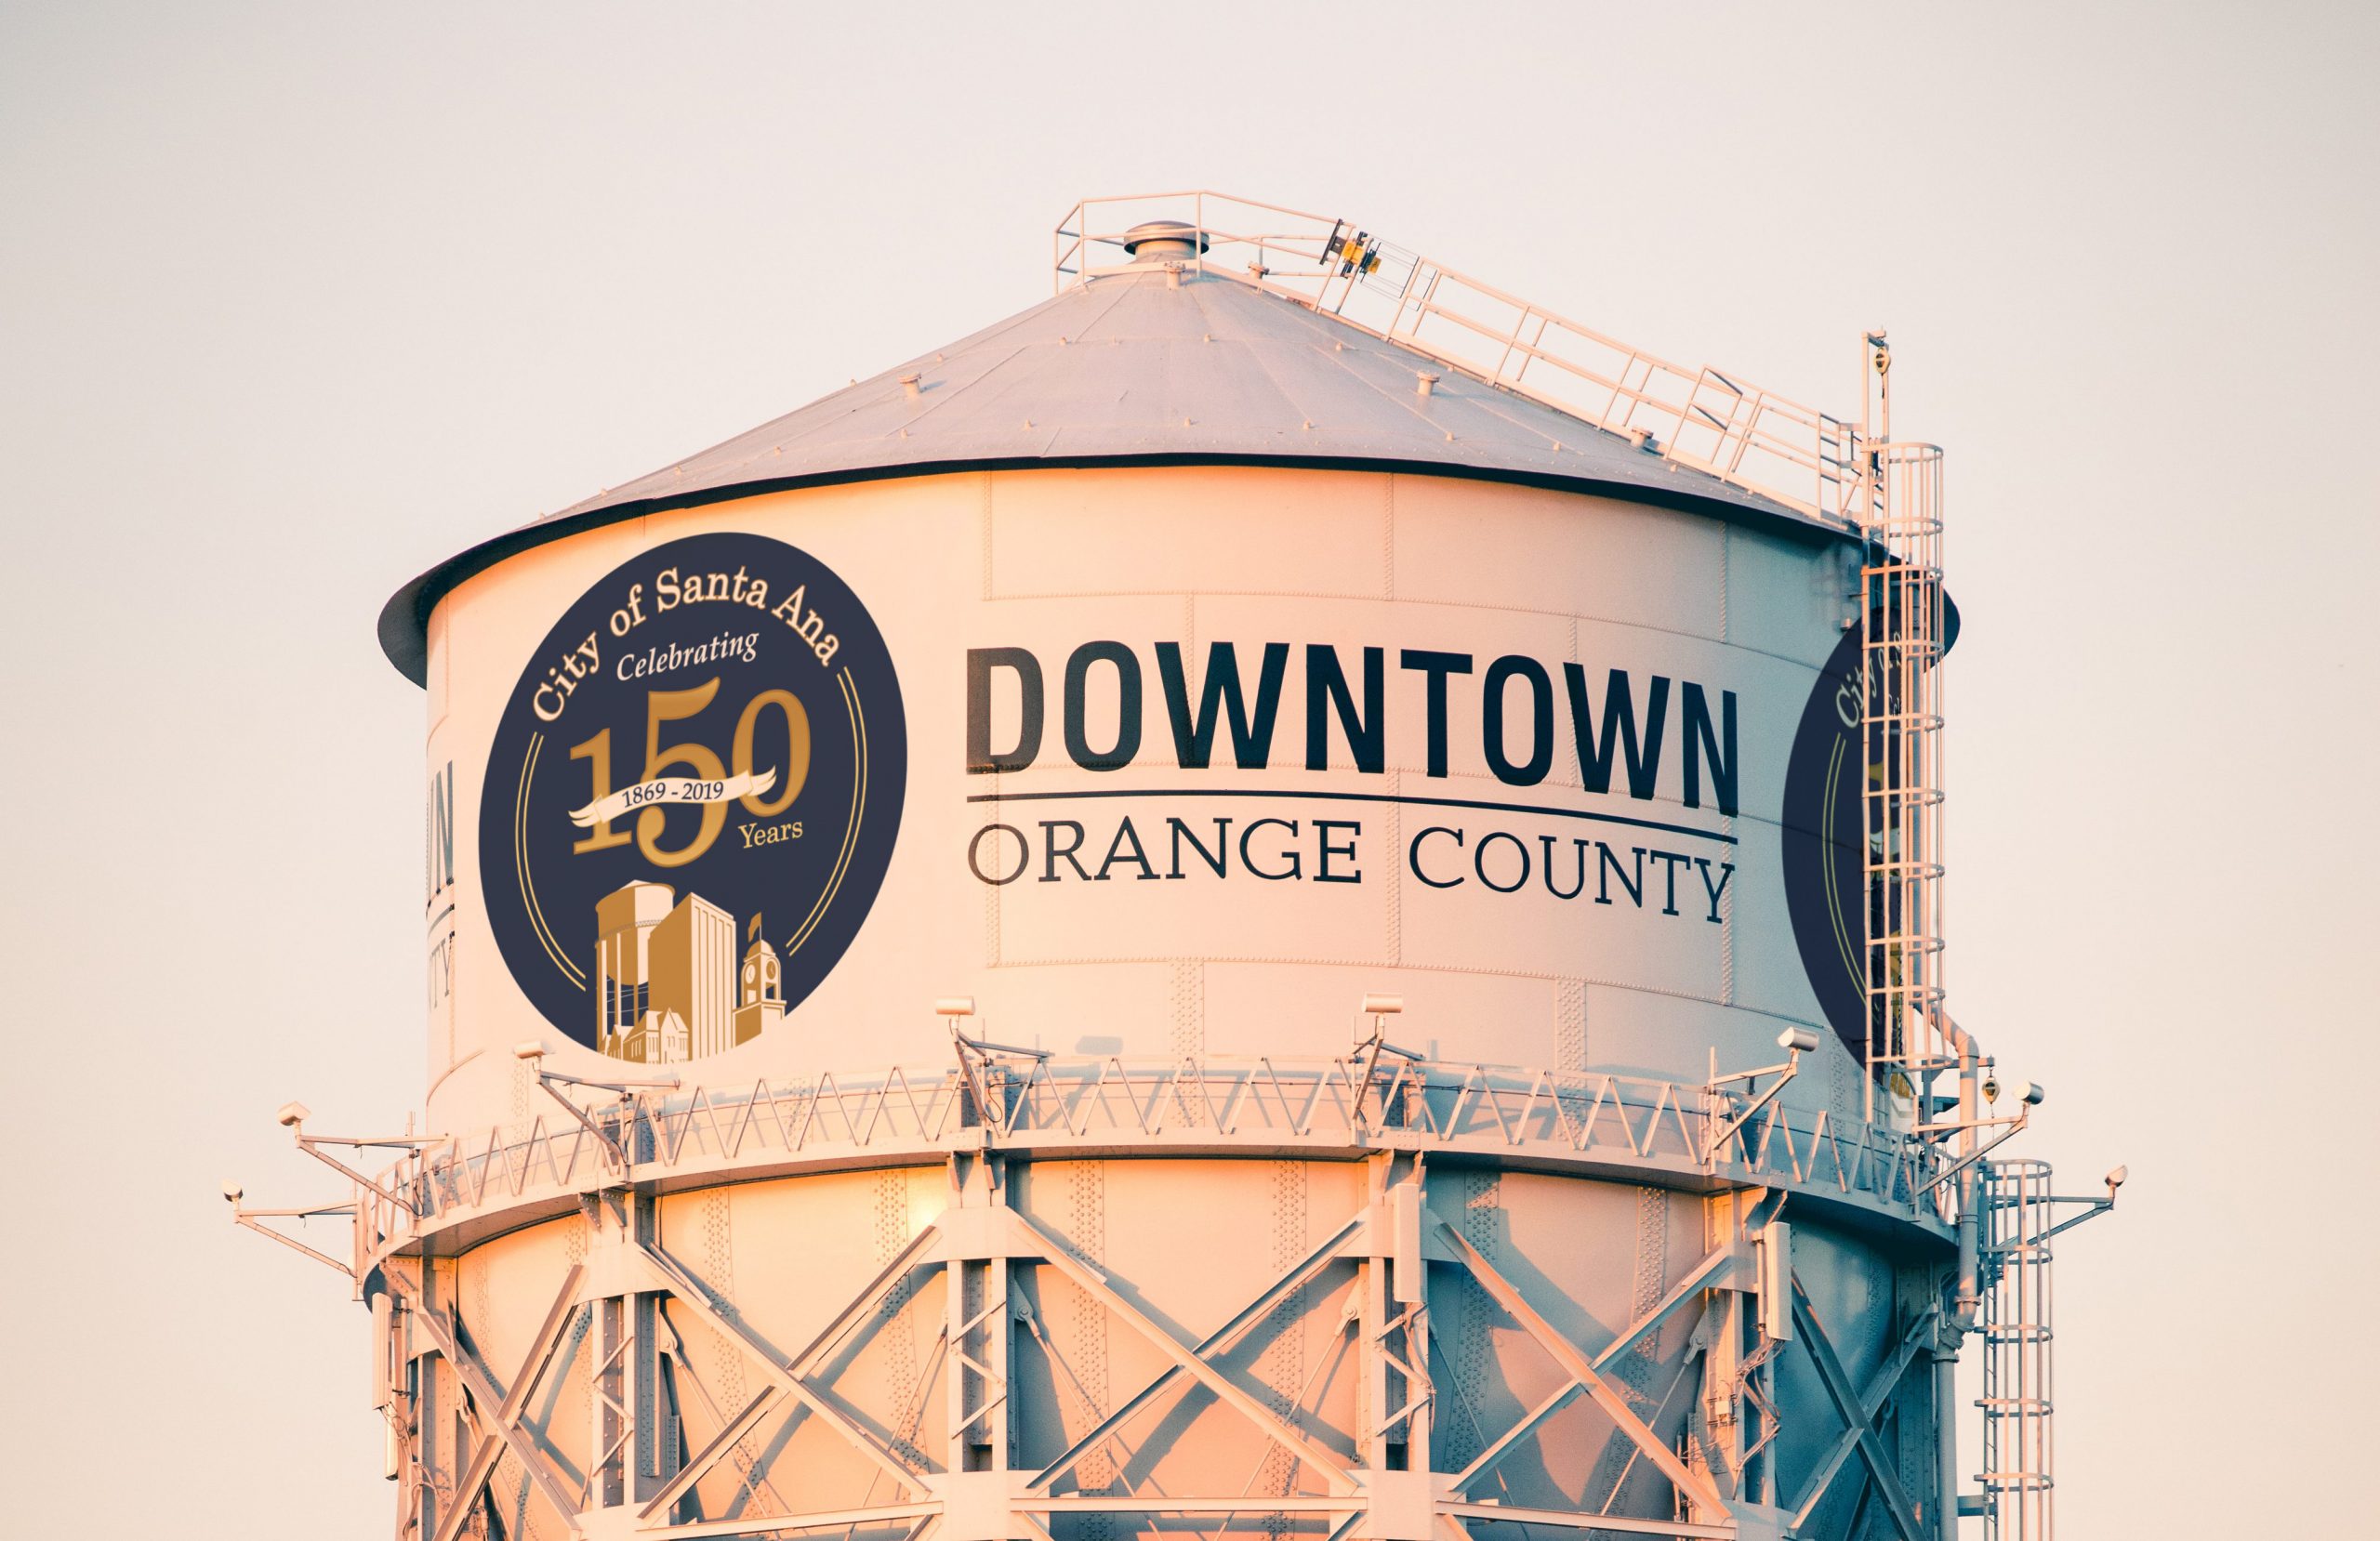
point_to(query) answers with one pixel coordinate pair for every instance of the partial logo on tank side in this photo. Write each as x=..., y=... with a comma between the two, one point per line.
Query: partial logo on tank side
x=692, y=797
x=1823, y=867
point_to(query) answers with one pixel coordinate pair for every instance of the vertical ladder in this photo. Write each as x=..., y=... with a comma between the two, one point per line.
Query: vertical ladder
x=1903, y=633
x=2018, y=1476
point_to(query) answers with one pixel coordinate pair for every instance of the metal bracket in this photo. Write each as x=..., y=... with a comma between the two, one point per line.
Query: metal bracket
x=248, y=1220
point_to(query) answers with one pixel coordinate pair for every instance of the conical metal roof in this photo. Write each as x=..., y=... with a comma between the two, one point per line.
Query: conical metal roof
x=1140, y=367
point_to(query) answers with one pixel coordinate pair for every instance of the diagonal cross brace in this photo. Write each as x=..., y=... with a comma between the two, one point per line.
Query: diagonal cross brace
x=466, y=1493
x=1579, y=1368
x=1226, y=1390
x=849, y=1520
x=864, y=1301
x=1871, y=1401
x=1854, y=1413
x=733, y=1430
x=689, y=1293
x=1706, y=1274
x=1570, y=1519
x=503, y=1411
x=1215, y=1342
x=730, y=1434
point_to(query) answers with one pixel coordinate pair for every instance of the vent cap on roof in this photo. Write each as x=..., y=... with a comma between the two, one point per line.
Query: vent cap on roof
x=1164, y=240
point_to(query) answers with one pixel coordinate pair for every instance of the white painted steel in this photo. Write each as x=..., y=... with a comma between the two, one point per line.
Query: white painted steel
x=1346, y=1192
x=1243, y=965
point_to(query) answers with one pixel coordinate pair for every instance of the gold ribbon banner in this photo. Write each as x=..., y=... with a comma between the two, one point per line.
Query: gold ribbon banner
x=673, y=789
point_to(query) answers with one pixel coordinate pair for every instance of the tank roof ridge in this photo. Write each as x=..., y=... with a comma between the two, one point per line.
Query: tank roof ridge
x=1168, y=362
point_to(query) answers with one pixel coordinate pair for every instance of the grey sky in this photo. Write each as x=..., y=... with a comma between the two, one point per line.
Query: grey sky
x=295, y=300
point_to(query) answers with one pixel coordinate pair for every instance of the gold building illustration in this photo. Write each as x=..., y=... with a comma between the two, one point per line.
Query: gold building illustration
x=667, y=985
x=760, y=990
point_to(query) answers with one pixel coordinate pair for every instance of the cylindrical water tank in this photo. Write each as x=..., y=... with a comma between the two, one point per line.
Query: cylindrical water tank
x=1151, y=678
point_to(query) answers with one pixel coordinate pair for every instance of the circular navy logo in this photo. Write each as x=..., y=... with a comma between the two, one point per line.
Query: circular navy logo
x=691, y=797
x=1826, y=887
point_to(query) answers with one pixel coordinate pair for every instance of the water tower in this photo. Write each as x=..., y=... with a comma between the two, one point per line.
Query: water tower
x=1284, y=896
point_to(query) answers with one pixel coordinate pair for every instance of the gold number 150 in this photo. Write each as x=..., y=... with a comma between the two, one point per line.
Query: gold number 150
x=702, y=764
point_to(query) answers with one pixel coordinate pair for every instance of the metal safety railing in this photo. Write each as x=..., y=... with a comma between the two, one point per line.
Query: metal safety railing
x=1049, y=1105
x=1702, y=418
x=1828, y=467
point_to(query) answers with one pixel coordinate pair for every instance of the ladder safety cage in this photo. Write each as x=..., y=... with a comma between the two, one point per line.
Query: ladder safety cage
x=2020, y=1213
x=2018, y=1474
x=1903, y=630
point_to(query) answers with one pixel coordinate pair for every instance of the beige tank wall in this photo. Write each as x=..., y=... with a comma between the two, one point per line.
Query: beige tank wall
x=1049, y=560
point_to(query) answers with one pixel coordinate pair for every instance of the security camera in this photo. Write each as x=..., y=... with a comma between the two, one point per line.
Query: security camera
x=532, y=1049
x=233, y=1192
x=2116, y=1179
x=955, y=1006
x=1800, y=1040
x=292, y=1115
x=1383, y=1005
